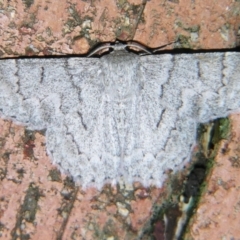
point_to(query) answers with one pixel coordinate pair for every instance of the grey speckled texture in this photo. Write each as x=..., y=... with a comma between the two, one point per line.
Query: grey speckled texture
x=123, y=115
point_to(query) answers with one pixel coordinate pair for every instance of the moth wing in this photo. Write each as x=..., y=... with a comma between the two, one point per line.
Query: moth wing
x=201, y=87
x=61, y=96
x=155, y=118
x=38, y=92
x=219, y=94
x=85, y=122
x=86, y=78
x=155, y=72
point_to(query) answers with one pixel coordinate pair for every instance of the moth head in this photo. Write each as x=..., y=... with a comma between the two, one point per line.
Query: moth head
x=118, y=48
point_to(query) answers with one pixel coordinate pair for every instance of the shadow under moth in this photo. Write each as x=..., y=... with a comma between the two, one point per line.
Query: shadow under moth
x=120, y=116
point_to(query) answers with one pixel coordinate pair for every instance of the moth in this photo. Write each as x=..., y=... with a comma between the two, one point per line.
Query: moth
x=120, y=116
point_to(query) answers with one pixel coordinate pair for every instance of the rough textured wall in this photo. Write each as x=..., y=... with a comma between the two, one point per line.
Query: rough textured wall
x=37, y=27
x=38, y=202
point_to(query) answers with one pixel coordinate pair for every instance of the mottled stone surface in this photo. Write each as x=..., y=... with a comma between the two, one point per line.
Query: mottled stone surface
x=36, y=201
x=217, y=214
x=37, y=27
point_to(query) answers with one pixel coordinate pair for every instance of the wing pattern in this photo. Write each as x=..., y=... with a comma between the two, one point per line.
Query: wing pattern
x=120, y=116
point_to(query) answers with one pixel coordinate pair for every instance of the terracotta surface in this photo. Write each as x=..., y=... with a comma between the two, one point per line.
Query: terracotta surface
x=218, y=213
x=38, y=27
x=36, y=201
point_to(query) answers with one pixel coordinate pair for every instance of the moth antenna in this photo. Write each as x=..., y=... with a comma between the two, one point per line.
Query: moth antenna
x=139, y=46
x=99, y=49
x=163, y=46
